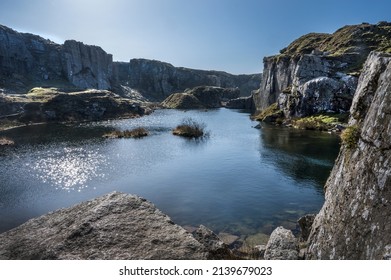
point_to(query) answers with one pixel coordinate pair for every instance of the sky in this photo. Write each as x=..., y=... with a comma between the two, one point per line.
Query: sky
x=225, y=35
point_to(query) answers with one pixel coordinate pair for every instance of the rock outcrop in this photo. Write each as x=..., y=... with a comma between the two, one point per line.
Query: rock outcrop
x=354, y=222
x=282, y=245
x=55, y=105
x=157, y=80
x=114, y=226
x=200, y=97
x=318, y=72
x=246, y=103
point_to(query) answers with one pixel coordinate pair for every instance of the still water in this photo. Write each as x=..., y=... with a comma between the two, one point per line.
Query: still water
x=239, y=180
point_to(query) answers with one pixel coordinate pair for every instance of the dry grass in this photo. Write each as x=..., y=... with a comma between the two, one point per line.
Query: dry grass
x=6, y=141
x=189, y=128
x=134, y=133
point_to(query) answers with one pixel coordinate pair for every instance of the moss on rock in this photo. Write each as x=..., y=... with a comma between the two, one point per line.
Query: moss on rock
x=270, y=114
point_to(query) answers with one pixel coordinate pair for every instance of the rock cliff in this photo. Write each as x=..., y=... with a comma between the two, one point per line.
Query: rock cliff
x=157, y=80
x=318, y=72
x=28, y=61
x=354, y=222
x=86, y=66
x=115, y=226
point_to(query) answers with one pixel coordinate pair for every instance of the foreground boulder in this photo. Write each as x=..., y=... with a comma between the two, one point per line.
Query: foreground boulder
x=282, y=245
x=218, y=250
x=114, y=226
x=355, y=220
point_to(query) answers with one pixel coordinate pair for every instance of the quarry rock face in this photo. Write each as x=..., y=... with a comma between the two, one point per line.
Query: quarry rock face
x=28, y=61
x=317, y=73
x=87, y=66
x=157, y=80
x=303, y=85
x=354, y=222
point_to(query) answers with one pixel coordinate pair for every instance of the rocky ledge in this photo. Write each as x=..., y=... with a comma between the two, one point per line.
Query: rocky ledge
x=55, y=105
x=201, y=97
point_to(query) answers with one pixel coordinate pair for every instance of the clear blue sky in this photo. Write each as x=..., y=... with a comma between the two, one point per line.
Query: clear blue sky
x=227, y=35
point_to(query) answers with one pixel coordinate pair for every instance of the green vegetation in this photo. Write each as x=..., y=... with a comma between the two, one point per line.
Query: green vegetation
x=39, y=93
x=348, y=39
x=134, y=133
x=305, y=44
x=270, y=114
x=318, y=122
x=350, y=136
x=190, y=128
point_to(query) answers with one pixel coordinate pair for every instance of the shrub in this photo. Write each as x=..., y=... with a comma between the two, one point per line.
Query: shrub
x=189, y=128
x=350, y=136
x=134, y=133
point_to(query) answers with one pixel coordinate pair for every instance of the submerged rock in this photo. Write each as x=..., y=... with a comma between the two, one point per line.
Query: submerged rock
x=114, y=226
x=355, y=220
x=282, y=245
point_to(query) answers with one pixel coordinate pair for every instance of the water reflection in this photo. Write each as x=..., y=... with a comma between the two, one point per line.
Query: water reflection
x=68, y=168
x=301, y=155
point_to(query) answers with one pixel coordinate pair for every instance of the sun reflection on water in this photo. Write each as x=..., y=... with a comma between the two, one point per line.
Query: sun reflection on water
x=69, y=168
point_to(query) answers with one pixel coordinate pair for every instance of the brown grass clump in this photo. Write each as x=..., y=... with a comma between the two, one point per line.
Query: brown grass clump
x=190, y=129
x=6, y=141
x=134, y=133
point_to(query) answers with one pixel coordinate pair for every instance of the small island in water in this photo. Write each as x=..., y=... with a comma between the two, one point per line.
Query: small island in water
x=268, y=166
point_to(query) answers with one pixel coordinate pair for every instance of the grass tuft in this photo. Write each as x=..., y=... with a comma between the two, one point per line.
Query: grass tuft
x=190, y=128
x=4, y=141
x=350, y=136
x=134, y=133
